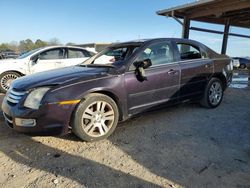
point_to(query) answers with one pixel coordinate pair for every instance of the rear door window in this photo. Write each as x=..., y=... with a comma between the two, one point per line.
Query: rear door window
x=77, y=53
x=188, y=52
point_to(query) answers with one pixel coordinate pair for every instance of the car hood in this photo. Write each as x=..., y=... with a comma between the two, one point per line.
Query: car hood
x=58, y=76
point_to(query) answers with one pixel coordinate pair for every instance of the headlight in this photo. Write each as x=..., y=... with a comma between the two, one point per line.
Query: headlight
x=34, y=98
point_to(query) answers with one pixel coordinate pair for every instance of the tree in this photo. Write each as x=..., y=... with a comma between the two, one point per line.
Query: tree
x=26, y=45
x=14, y=46
x=70, y=44
x=4, y=46
x=54, y=42
x=39, y=43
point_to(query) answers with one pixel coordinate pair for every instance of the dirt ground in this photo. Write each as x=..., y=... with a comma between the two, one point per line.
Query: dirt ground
x=181, y=146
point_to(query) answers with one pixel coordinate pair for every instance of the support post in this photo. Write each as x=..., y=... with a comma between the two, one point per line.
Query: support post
x=225, y=37
x=185, y=28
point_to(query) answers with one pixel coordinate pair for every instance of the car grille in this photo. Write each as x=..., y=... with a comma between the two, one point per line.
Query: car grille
x=14, y=96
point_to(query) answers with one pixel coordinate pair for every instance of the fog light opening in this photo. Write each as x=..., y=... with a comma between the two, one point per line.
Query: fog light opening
x=25, y=122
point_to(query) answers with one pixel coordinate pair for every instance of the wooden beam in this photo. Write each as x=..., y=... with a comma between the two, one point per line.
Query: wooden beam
x=219, y=10
x=237, y=12
x=241, y=18
x=225, y=38
x=222, y=21
x=183, y=7
x=218, y=32
x=176, y=19
x=206, y=30
x=185, y=28
x=239, y=35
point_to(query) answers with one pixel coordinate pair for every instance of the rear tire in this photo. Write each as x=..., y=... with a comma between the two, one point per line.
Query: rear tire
x=5, y=80
x=242, y=66
x=213, y=94
x=95, y=118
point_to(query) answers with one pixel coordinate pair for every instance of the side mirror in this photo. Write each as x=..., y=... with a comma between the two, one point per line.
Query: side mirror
x=140, y=66
x=34, y=59
x=143, y=64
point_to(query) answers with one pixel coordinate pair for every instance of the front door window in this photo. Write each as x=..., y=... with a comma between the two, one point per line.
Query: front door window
x=51, y=54
x=159, y=54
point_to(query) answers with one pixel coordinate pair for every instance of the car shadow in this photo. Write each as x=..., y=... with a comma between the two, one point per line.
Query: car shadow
x=24, y=150
x=189, y=150
x=86, y=172
x=190, y=145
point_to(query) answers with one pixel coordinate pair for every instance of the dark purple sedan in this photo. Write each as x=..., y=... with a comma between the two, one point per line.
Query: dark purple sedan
x=121, y=81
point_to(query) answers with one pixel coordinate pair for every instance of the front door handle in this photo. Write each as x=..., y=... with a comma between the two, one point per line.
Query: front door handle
x=208, y=65
x=172, y=71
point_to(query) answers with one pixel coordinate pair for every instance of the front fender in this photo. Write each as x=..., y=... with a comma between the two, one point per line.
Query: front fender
x=110, y=85
x=13, y=67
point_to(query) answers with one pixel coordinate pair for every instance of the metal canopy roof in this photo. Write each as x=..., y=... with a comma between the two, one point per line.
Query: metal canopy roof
x=237, y=12
x=225, y=12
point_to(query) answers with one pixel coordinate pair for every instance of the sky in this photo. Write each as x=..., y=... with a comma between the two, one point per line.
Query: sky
x=87, y=21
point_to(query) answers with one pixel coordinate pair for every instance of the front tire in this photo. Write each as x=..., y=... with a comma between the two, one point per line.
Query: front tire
x=5, y=80
x=95, y=118
x=213, y=94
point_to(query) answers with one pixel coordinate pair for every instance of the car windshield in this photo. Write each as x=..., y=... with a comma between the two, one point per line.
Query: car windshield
x=28, y=53
x=111, y=55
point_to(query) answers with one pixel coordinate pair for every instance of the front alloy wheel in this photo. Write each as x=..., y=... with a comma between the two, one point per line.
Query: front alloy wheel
x=95, y=118
x=98, y=118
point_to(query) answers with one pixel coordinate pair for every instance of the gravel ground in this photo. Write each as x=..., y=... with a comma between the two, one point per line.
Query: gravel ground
x=181, y=146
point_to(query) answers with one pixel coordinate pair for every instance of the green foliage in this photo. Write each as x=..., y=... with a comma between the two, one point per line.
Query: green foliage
x=70, y=44
x=27, y=45
x=54, y=42
x=39, y=43
x=4, y=47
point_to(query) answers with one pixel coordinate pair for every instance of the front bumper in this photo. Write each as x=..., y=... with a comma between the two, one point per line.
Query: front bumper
x=50, y=119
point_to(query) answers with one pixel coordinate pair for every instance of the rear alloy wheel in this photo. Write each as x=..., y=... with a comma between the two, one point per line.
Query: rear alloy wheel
x=95, y=118
x=6, y=80
x=213, y=93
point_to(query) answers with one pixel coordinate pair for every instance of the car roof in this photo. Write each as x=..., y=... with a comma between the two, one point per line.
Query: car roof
x=62, y=46
x=144, y=41
x=177, y=40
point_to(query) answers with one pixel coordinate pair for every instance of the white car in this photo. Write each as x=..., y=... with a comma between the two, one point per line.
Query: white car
x=236, y=63
x=38, y=60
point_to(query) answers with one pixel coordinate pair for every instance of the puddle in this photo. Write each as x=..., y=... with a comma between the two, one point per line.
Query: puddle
x=238, y=86
x=240, y=80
